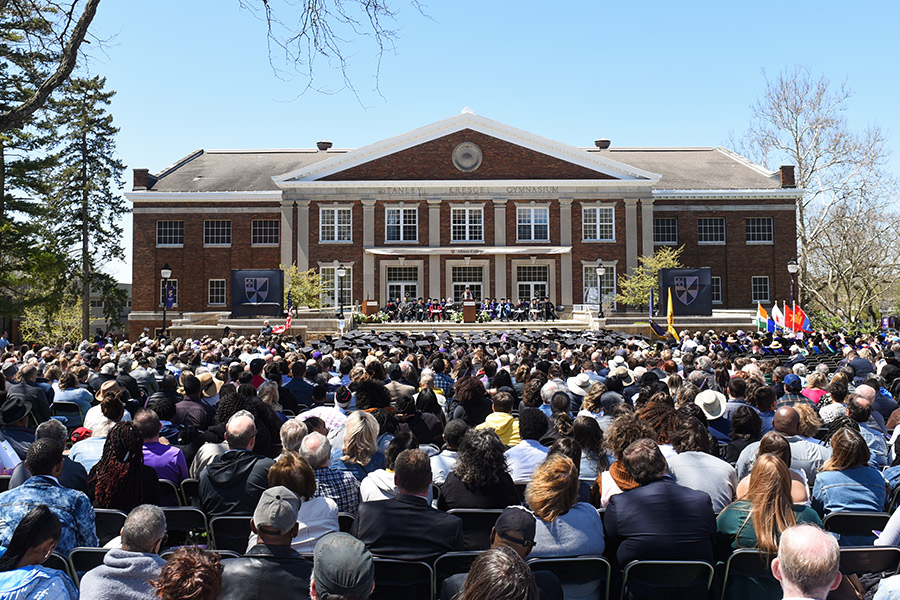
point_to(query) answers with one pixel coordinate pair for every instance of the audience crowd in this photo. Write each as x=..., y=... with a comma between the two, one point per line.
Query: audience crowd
x=343, y=452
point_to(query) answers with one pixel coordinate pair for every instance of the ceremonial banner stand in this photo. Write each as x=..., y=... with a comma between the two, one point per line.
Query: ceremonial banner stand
x=469, y=311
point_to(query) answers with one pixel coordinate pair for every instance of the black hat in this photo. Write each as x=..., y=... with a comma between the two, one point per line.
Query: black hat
x=14, y=409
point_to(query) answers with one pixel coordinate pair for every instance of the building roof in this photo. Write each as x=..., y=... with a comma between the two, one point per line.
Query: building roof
x=253, y=170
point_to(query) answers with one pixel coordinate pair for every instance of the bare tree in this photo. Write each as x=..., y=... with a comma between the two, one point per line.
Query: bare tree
x=800, y=119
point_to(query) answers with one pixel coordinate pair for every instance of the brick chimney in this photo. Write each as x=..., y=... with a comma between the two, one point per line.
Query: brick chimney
x=602, y=143
x=323, y=145
x=787, y=176
x=141, y=179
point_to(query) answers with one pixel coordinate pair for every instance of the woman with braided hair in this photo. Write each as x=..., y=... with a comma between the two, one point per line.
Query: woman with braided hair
x=121, y=480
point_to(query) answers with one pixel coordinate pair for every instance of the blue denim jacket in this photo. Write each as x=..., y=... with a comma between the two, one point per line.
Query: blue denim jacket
x=36, y=582
x=857, y=489
x=73, y=508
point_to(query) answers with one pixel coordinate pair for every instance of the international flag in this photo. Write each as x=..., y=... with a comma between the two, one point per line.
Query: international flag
x=658, y=329
x=789, y=318
x=290, y=311
x=670, y=318
x=761, y=316
x=778, y=316
x=801, y=321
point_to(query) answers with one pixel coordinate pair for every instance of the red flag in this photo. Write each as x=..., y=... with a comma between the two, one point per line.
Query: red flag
x=801, y=321
x=788, y=317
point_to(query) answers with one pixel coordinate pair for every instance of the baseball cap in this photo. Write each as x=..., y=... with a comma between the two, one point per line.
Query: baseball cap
x=277, y=509
x=342, y=566
x=791, y=380
x=517, y=525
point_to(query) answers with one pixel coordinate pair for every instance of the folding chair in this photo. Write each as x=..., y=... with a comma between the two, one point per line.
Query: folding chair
x=476, y=526
x=171, y=494
x=876, y=559
x=230, y=533
x=190, y=492
x=855, y=528
x=402, y=579
x=60, y=563
x=186, y=525
x=893, y=502
x=672, y=574
x=345, y=521
x=582, y=576
x=4, y=482
x=70, y=410
x=748, y=575
x=108, y=523
x=452, y=563
x=82, y=560
x=223, y=554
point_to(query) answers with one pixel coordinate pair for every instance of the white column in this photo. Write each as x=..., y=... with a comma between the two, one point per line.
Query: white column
x=287, y=231
x=303, y=235
x=631, y=235
x=565, y=262
x=499, y=240
x=434, y=241
x=647, y=226
x=368, y=273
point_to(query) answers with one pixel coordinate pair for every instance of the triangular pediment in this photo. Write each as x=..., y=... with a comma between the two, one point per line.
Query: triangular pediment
x=432, y=153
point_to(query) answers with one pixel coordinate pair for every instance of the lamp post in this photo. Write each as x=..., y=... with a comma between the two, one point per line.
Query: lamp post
x=340, y=272
x=793, y=268
x=601, y=271
x=165, y=273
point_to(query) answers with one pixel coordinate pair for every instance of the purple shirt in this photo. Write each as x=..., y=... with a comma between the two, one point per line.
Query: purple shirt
x=167, y=461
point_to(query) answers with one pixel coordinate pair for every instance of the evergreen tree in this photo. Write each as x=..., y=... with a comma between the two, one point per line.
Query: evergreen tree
x=87, y=204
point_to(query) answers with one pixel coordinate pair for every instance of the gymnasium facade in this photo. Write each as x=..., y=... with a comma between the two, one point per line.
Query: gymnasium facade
x=466, y=201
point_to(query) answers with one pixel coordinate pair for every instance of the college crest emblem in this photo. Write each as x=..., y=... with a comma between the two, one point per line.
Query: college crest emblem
x=257, y=289
x=687, y=288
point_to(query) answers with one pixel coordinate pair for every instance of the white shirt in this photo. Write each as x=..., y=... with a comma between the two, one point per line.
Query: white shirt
x=441, y=465
x=523, y=458
x=317, y=518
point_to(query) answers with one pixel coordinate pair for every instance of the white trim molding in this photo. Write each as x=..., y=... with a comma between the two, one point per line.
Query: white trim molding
x=466, y=250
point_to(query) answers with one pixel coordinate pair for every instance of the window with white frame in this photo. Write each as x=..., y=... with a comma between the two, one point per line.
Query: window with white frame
x=336, y=224
x=467, y=276
x=401, y=224
x=533, y=223
x=265, y=232
x=402, y=282
x=711, y=230
x=665, y=230
x=336, y=290
x=533, y=281
x=217, y=233
x=597, y=224
x=173, y=283
x=759, y=289
x=170, y=233
x=759, y=230
x=217, y=292
x=467, y=224
x=607, y=284
x=715, y=284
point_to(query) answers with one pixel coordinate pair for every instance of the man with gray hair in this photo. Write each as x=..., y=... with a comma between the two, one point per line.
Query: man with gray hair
x=340, y=486
x=807, y=563
x=73, y=475
x=126, y=573
x=292, y=433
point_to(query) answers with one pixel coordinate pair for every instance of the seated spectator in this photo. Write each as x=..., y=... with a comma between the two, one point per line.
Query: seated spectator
x=809, y=422
x=271, y=568
x=21, y=573
x=502, y=421
x=524, y=457
x=292, y=433
x=359, y=454
x=792, y=396
x=807, y=563
x=31, y=392
x=659, y=519
x=757, y=520
x=340, y=486
x=499, y=574
x=300, y=388
x=589, y=436
x=470, y=402
x=406, y=527
x=192, y=411
x=775, y=443
x=168, y=390
x=73, y=474
x=764, y=398
x=106, y=409
x=317, y=517
x=847, y=482
x=860, y=410
x=379, y=485
x=565, y=527
x=70, y=391
x=87, y=452
x=120, y=480
x=126, y=573
x=425, y=426
x=428, y=401
x=442, y=463
x=816, y=387
x=342, y=568
x=746, y=428
x=168, y=461
x=693, y=466
x=480, y=478
x=14, y=423
x=234, y=481
x=713, y=405
x=190, y=573
x=623, y=431
x=72, y=508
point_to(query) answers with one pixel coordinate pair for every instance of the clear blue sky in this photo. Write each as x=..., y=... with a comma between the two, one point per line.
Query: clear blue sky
x=196, y=74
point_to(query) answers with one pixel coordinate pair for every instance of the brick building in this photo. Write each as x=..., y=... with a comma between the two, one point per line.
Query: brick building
x=464, y=201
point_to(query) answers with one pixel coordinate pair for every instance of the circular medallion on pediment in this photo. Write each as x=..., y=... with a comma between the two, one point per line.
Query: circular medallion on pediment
x=467, y=157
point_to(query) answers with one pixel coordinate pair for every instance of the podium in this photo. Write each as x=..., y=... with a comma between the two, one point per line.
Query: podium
x=369, y=307
x=469, y=311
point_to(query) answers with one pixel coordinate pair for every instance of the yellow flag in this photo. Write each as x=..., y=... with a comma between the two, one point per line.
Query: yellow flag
x=670, y=318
